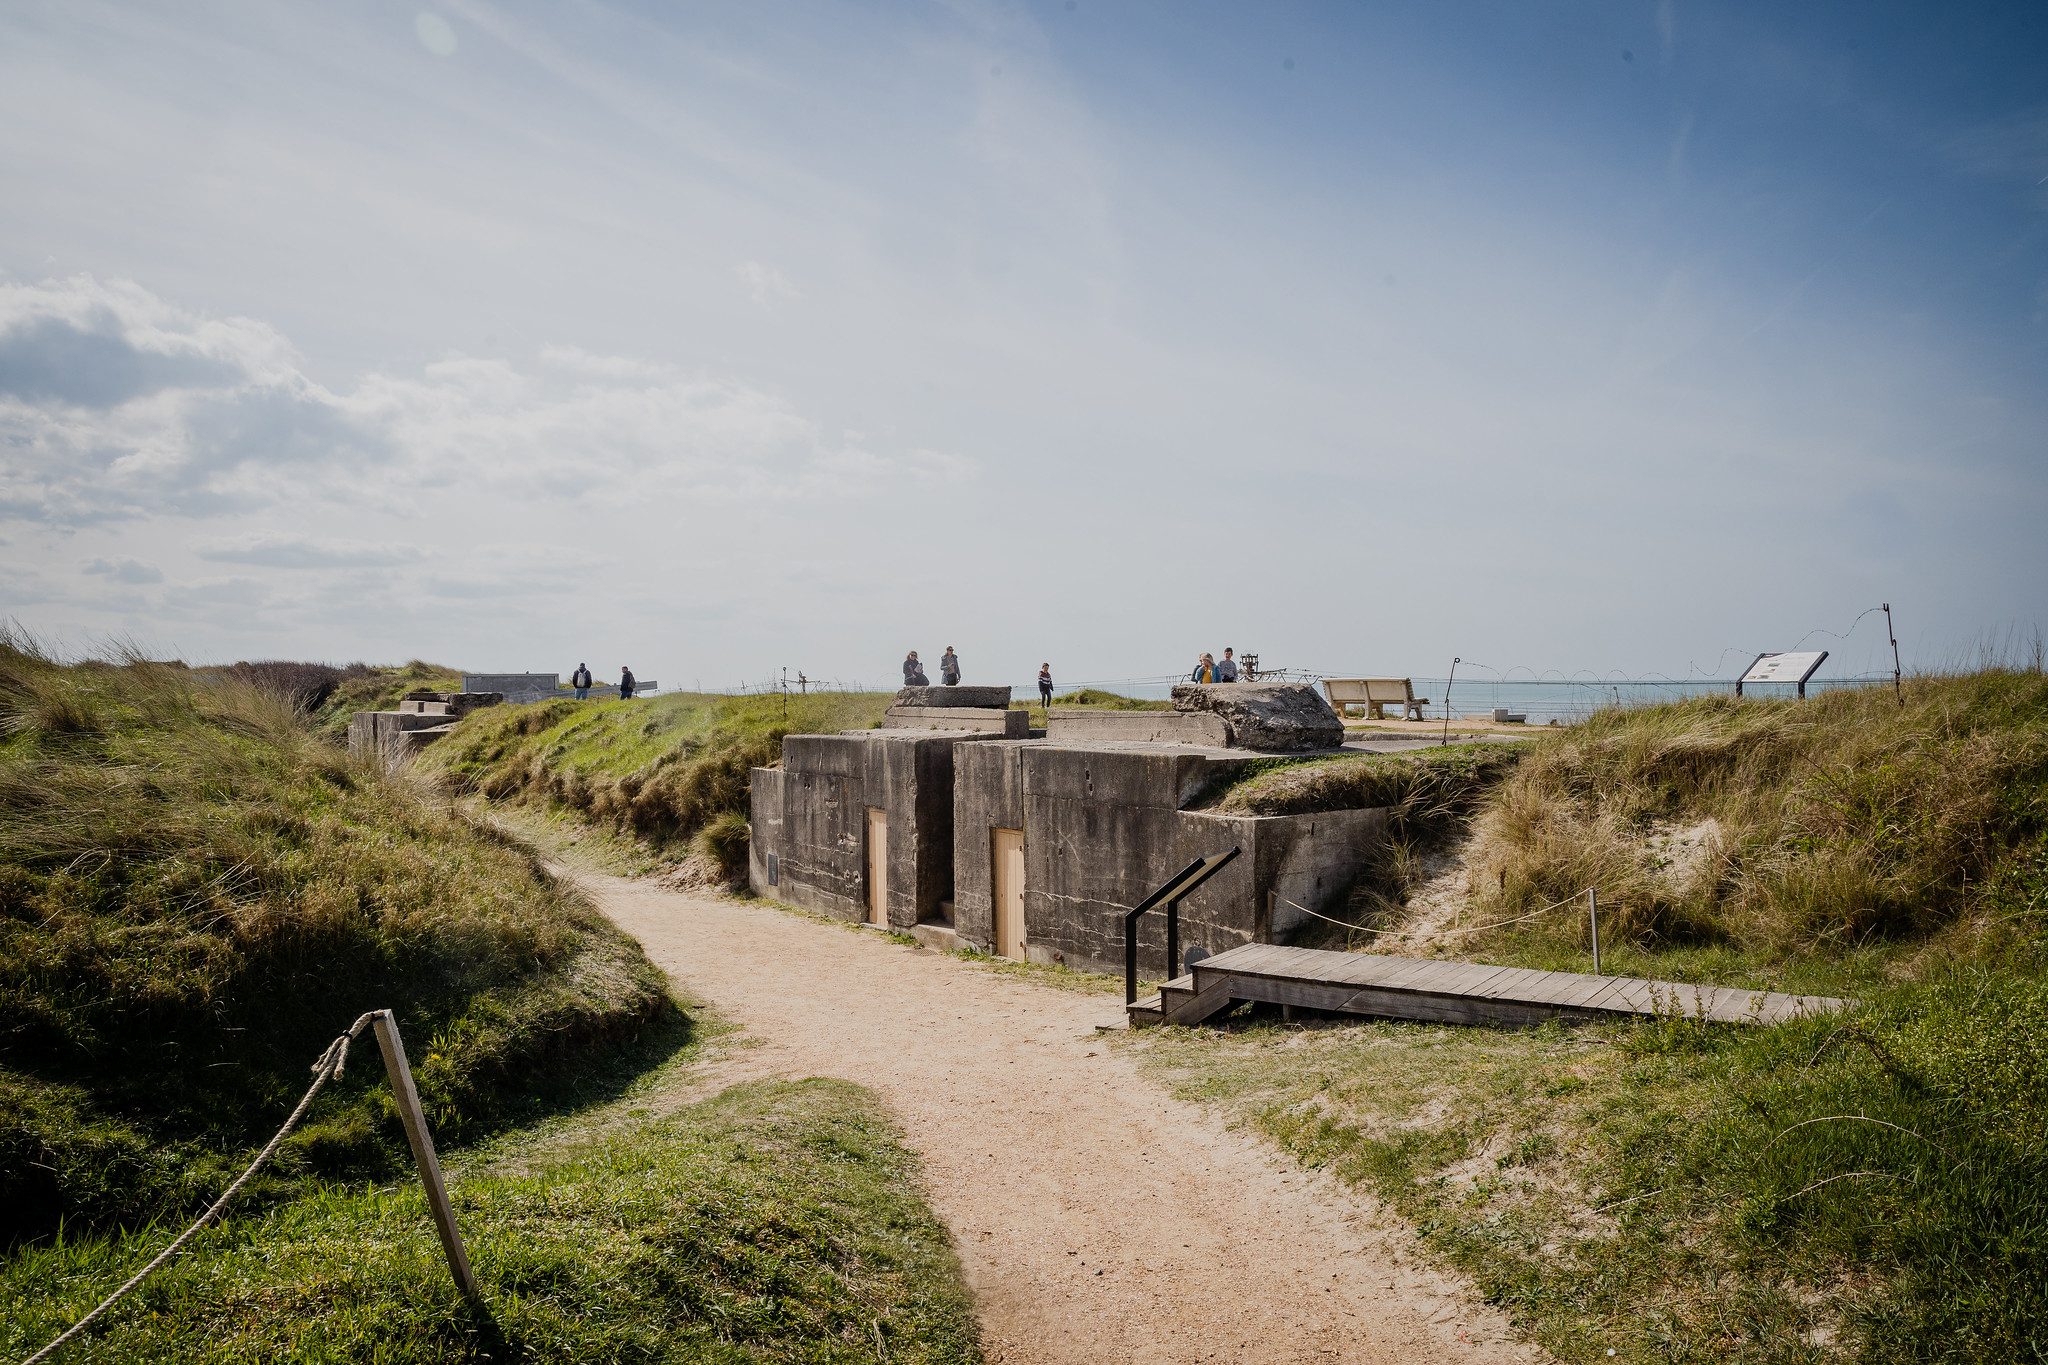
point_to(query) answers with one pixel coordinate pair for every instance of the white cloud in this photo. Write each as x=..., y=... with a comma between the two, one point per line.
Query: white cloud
x=275, y=551
x=116, y=405
x=765, y=282
x=126, y=570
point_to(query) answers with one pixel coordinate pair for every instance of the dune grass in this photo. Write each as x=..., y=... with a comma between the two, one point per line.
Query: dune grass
x=197, y=893
x=672, y=770
x=778, y=1221
x=1871, y=1185
x=1845, y=820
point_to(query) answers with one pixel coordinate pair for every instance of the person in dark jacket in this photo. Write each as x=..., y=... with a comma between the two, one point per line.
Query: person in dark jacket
x=949, y=668
x=625, y=683
x=913, y=672
x=580, y=680
x=1045, y=684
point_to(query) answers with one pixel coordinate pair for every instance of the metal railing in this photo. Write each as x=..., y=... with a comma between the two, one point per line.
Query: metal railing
x=1177, y=889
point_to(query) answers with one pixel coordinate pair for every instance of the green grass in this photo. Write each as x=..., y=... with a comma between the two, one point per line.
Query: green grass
x=197, y=893
x=778, y=1221
x=672, y=770
x=1658, y=1188
x=1864, y=1186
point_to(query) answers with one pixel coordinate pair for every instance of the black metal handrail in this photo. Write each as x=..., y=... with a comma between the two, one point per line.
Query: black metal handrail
x=1177, y=889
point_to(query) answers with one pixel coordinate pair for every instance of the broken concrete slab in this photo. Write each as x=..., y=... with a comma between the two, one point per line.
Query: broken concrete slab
x=1270, y=717
x=998, y=697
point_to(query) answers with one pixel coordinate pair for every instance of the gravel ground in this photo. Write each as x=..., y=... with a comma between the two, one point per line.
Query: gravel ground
x=1098, y=1218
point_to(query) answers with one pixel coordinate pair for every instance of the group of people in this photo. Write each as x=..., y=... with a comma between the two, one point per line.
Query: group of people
x=949, y=670
x=1207, y=670
x=581, y=681
x=949, y=673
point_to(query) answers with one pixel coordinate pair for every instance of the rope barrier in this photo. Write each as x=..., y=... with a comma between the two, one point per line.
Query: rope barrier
x=329, y=1066
x=1343, y=924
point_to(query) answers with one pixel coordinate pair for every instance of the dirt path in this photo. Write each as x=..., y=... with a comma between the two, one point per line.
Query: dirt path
x=1098, y=1218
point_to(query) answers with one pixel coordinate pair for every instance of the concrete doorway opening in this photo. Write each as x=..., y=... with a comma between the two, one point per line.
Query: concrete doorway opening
x=878, y=866
x=1007, y=863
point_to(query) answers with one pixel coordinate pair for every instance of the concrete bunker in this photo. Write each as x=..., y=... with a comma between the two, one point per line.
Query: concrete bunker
x=859, y=825
x=1033, y=845
x=422, y=717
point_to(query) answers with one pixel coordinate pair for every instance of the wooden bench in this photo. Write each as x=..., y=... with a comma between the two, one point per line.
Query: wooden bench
x=1375, y=695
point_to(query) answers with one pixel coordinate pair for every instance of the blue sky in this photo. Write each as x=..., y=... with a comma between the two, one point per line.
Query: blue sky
x=721, y=339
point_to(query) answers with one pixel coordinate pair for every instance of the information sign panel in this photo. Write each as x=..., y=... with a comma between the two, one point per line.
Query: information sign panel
x=1783, y=668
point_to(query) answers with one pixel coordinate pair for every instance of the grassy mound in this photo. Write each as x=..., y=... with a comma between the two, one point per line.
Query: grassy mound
x=1778, y=826
x=777, y=1221
x=197, y=893
x=1425, y=791
x=672, y=769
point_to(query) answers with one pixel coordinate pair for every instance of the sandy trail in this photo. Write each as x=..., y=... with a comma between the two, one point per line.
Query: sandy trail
x=1098, y=1218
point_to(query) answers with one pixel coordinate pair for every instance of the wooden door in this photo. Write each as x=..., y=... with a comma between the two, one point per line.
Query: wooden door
x=878, y=866
x=1007, y=861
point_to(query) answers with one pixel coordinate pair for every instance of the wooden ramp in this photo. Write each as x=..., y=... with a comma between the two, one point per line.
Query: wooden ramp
x=1446, y=992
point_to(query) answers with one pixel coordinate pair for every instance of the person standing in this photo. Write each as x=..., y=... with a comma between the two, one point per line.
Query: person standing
x=1227, y=670
x=625, y=683
x=949, y=668
x=1045, y=684
x=580, y=680
x=1205, y=670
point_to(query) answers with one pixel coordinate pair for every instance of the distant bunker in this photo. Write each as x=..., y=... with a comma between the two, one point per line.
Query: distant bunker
x=421, y=718
x=957, y=824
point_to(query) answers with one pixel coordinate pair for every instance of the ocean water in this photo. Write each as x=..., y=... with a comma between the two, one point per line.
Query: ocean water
x=1542, y=701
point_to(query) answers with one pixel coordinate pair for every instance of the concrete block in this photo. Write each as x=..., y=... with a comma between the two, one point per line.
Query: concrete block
x=995, y=697
x=1143, y=727
x=393, y=735
x=1009, y=724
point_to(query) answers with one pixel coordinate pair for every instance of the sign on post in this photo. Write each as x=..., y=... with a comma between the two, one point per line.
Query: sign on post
x=1782, y=668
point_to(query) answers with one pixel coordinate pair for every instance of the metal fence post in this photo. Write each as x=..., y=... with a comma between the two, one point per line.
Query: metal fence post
x=422, y=1142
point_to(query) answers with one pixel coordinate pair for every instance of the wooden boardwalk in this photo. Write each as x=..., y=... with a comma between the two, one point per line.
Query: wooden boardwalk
x=1446, y=992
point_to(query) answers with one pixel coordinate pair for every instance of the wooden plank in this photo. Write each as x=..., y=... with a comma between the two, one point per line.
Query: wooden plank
x=1510, y=983
x=1198, y=1006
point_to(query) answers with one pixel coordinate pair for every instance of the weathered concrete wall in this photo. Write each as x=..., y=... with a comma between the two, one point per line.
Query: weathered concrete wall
x=827, y=784
x=1102, y=830
x=824, y=824
x=1144, y=727
x=764, y=821
x=1105, y=825
x=1006, y=723
x=517, y=687
x=988, y=794
x=393, y=735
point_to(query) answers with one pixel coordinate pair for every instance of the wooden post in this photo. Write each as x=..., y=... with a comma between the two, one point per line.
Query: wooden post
x=1593, y=910
x=422, y=1142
